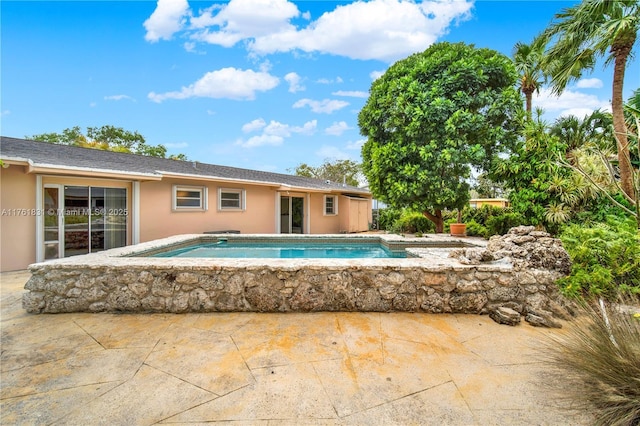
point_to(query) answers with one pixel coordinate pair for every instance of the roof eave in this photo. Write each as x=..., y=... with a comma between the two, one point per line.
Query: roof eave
x=89, y=172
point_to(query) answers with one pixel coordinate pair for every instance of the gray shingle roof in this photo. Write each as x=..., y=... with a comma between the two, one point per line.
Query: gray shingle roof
x=44, y=153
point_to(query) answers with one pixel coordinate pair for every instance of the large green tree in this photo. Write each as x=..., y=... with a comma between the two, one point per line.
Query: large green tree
x=340, y=171
x=431, y=118
x=108, y=138
x=581, y=34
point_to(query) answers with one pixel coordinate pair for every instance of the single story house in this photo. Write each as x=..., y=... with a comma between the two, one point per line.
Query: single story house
x=59, y=201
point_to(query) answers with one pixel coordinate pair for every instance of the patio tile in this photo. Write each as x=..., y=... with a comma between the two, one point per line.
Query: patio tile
x=78, y=370
x=203, y=358
x=288, y=393
x=49, y=407
x=147, y=398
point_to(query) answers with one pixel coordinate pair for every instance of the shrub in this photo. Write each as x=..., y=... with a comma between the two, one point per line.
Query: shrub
x=605, y=257
x=500, y=225
x=412, y=222
x=388, y=217
x=474, y=229
x=597, y=363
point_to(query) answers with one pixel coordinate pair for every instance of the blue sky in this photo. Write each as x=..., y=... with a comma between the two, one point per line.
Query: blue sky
x=260, y=84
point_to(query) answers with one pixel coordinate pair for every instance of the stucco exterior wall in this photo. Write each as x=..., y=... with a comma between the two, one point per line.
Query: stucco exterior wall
x=321, y=224
x=18, y=219
x=159, y=220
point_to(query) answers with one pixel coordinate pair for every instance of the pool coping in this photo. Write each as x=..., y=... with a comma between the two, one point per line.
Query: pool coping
x=426, y=252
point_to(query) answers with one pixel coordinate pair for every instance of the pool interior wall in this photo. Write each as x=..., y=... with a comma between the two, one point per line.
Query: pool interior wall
x=124, y=280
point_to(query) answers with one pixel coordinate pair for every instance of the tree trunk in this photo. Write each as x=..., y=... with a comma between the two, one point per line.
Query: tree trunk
x=436, y=218
x=528, y=94
x=619, y=127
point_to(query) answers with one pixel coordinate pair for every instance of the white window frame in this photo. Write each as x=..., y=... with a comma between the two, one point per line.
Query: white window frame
x=203, y=198
x=335, y=205
x=242, y=199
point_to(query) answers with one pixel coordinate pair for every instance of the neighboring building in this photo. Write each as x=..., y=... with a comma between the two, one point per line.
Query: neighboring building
x=495, y=202
x=58, y=201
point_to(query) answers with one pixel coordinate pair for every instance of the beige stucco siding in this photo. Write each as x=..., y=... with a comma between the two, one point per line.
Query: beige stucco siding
x=321, y=224
x=159, y=220
x=18, y=220
x=157, y=216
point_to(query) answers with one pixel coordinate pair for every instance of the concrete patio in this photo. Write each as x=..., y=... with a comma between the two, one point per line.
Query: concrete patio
x=270, y=369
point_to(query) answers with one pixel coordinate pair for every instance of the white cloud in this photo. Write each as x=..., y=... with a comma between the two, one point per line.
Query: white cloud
x=569, y=100
x=376, y=29
x=589, y=83
x=168, y=18
x=261, y=140
x=118, y=98
x=211, y=112
x=576, y=112
x=376, y=74
x=294, y=82
x=351, y=93
x=5, y=112
x=329, y=80
x=230, y=83
x=326, y=106
x=337, y=128
x=254, y=125
x=273, y=133
x=243, y=19
x=356, y=145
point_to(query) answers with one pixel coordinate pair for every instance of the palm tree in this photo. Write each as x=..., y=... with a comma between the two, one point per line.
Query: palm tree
x=595, y=128
x=580, y=35
x=527, y=58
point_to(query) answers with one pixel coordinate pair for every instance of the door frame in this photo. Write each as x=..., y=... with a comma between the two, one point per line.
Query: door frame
x=306, y=222
x=132, y=202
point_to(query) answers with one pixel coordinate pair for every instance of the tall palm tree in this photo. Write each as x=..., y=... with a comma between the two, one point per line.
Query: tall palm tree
x=527, y=58
x=580, y=35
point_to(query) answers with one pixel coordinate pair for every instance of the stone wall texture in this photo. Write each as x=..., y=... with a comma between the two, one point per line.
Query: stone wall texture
x=477, y=287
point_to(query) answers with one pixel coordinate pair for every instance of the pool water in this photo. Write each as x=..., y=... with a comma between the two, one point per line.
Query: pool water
x=283, y=250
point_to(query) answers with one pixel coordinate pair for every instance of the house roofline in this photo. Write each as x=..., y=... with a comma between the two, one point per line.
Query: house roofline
x=43, y=168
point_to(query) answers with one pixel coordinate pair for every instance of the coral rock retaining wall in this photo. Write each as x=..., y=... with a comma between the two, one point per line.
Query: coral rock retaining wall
x=437, y=283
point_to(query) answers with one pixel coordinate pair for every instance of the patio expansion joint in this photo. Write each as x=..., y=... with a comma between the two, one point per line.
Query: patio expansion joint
x=89, y=334
x=144, y=364
x=253, y=377
x=82, y=385
x=409, y=395
x=324, y=388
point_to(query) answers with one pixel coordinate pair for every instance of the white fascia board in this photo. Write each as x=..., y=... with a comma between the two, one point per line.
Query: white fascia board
x=48, y=168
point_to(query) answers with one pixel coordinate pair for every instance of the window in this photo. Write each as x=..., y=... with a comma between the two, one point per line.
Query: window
x=330, y=205
x=231, y=199
x=189, y=198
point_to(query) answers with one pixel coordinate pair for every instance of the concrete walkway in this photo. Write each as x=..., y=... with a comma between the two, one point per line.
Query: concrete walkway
x=269, y=369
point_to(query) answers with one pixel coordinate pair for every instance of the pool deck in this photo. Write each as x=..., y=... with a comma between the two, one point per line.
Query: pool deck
x=270, y=369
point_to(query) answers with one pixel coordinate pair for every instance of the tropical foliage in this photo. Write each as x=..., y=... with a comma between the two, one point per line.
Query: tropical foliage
x=340, y=171
x=605, y=257
x=527, y=59
x=431, y=118
x=108, y=138
x=580, y=35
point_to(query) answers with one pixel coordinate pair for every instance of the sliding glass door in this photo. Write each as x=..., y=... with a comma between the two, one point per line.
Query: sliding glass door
x=291, y=215
x=83, y=219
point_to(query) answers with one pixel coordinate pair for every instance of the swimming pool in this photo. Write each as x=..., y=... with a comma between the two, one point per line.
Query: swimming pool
x=283, y=250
